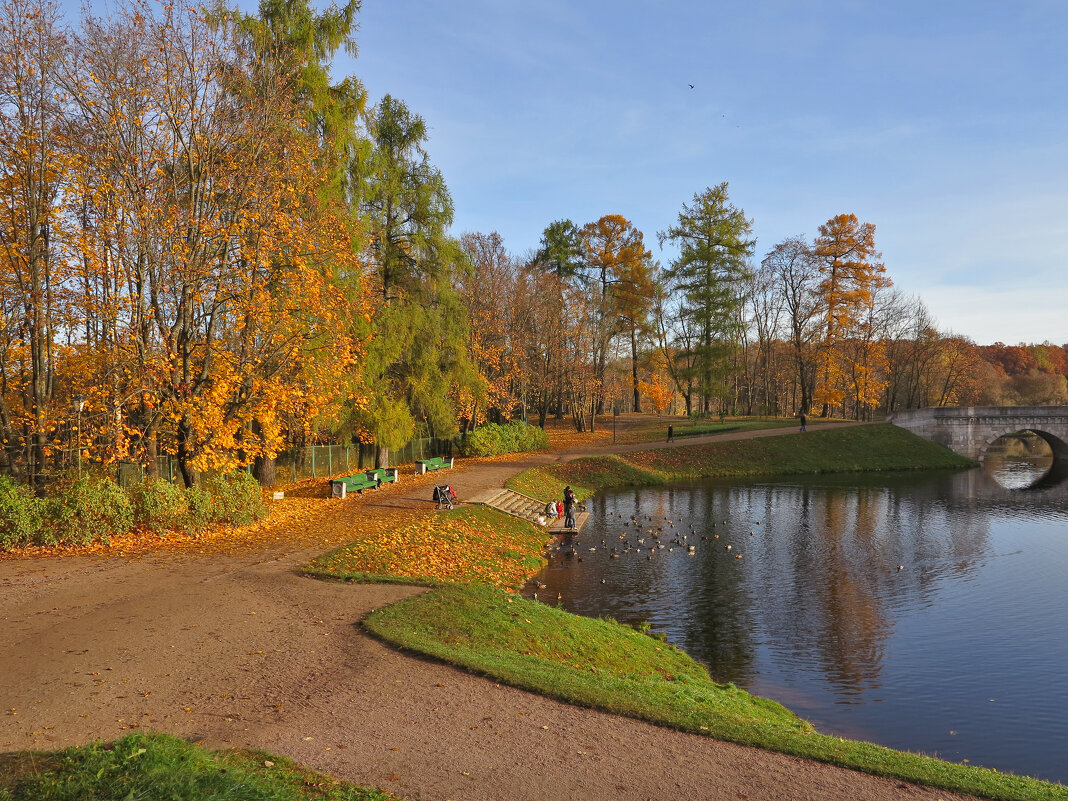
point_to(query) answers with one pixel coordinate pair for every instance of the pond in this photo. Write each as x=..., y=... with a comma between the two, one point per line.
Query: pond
x=922, y=612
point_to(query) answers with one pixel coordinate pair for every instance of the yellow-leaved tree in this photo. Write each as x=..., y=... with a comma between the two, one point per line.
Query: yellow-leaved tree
x=850, y=276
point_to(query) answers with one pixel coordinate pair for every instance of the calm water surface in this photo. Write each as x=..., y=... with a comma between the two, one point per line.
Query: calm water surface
x=921, y=612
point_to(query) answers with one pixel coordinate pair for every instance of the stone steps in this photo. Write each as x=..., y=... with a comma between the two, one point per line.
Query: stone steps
x=513, y=503
x=524, y=507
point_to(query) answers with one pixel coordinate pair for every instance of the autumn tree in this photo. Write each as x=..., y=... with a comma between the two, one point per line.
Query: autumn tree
x=36, y=155
x=618, y=266
x=489, y=293
x=792, y=267
x=294, y=46
x=559, y=259
x=850, y=275
x=714, y=241
x=197, y=220
x=765, y=307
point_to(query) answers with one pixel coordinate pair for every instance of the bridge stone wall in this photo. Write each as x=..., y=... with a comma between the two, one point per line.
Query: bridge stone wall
x=969, y=430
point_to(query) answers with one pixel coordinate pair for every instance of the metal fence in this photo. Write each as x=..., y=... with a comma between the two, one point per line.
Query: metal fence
x=313, y=461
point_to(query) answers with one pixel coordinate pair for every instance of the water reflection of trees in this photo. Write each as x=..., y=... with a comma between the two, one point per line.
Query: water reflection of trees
x=834, y=583
x=819, y=588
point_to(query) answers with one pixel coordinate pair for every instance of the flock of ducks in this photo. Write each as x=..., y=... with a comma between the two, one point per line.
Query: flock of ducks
x=650, y=540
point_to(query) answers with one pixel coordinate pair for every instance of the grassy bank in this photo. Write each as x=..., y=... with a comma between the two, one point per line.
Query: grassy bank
x=158, y=766
x=608, y=666
x=878, y=447
x=656, y=430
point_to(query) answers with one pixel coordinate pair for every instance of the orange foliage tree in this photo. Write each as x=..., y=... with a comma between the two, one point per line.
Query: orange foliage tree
x=207, y=261
x=850, y=277
x=619, y=265
x=36, y=158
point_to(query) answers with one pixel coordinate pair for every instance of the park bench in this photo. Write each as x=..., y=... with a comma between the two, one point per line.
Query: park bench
x=434, y=463
x=358, y=482
x=383, y=475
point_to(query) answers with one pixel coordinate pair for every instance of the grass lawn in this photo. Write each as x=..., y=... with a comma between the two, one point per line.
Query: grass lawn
x=608, y=666
x=655, y=430
x=159, y=766
x=877, y=447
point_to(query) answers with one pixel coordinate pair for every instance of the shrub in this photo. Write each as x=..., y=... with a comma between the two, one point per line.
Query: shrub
x=159, y=505
x=515, y=437
x=199, y=511
x=20, y=514
x=235, y=499
x=86, y=509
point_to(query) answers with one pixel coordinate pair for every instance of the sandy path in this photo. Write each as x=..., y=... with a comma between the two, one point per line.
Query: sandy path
x=239, y=650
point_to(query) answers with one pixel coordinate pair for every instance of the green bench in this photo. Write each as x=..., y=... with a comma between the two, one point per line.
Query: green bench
x=383, y=475
x=358, y=482
x=434, y=463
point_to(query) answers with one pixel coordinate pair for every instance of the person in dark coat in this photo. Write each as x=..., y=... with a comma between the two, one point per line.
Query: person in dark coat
x=569, y=509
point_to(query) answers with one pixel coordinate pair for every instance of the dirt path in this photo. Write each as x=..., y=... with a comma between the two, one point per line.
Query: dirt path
x=238, y=650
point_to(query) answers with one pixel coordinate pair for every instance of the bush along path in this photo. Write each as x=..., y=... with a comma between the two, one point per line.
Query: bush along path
x=240, y=651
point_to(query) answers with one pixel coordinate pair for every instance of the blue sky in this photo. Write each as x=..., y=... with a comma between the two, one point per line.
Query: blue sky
x=941, y=122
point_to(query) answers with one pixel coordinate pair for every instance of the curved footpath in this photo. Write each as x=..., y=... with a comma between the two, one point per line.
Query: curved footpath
x=241, y=651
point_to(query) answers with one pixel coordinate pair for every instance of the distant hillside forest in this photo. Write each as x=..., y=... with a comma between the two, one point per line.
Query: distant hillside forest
x=213, y=249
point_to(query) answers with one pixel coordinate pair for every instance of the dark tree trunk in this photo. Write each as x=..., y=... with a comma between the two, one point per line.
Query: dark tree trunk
x=265, y=470
x=189, y=475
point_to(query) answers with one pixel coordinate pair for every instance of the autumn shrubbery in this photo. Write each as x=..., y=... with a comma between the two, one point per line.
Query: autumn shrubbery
x=90, y=507
x=159, y=504
x=20, y=514
x=84, y=509
x=234, y=499
x=492, y=439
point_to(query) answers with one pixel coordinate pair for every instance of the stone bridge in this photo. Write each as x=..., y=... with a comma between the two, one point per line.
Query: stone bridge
x=969, y=430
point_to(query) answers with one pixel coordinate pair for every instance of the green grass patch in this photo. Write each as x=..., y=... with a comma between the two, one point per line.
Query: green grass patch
x=608, y=666
x=878, y=447
x=470, y=544
x=656, y=430
x=159, y=766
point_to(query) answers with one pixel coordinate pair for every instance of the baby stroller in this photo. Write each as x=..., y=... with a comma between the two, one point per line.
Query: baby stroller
x=444, y=496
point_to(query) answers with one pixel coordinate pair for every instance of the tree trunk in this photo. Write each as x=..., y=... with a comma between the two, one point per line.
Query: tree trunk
x=381, y=456
x=634, y=369
x=152, y=457
x=265, y=470
x=185, y=430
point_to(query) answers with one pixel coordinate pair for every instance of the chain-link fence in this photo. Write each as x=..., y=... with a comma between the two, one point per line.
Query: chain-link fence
x=313, y=461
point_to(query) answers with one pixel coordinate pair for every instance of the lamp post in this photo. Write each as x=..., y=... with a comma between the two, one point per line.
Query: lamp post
x=78, y=402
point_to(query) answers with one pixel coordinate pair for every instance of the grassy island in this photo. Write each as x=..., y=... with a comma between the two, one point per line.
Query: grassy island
x=858, y=449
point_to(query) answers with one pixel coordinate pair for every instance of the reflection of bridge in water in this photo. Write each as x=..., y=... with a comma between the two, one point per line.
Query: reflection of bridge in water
x=969, y=430
x=979, y=487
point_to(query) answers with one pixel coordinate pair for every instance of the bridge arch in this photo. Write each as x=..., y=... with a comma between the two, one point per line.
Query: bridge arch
x=969, y=430
x=1056, y=444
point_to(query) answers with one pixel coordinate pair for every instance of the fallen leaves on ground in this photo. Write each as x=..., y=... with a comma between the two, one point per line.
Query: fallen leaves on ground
x=442, y=547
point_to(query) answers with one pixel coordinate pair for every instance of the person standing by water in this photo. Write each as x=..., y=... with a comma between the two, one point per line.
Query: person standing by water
x=569, y=509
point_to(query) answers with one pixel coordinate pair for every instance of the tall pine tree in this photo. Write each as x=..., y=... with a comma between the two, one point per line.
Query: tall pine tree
x=715, y=244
